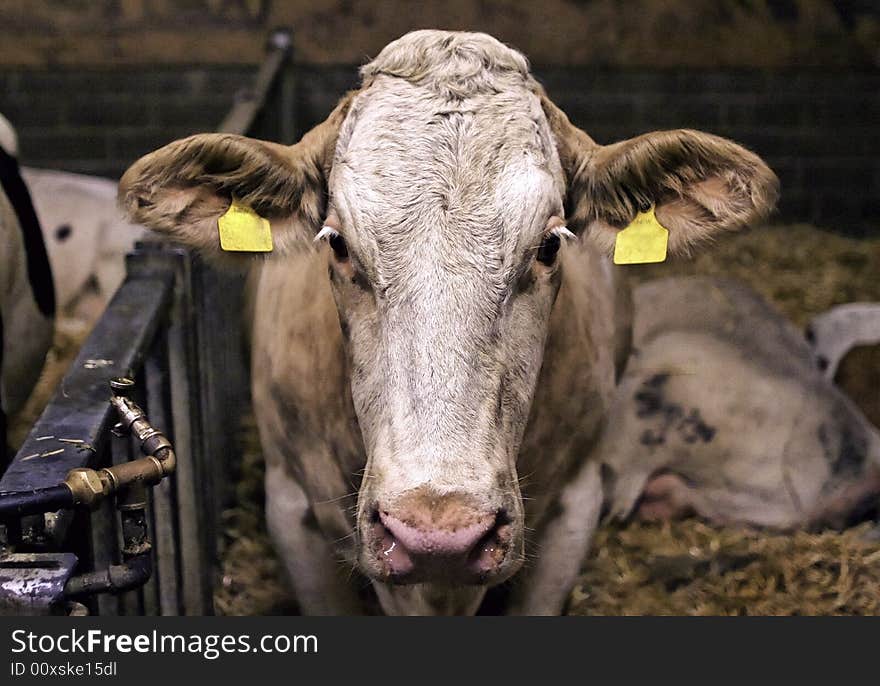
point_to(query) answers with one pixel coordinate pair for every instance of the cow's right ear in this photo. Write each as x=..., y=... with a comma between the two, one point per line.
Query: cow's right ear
x=182, y=189
x=699, y=185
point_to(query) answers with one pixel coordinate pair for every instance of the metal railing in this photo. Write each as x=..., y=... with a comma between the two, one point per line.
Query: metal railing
x=173, y=329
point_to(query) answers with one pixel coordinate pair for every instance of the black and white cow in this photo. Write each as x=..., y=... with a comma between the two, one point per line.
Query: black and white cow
x=723, y=412
x=86, y=237
x=27, y=295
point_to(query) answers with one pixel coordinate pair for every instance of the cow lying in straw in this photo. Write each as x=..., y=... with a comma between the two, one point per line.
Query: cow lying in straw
x=724, y=412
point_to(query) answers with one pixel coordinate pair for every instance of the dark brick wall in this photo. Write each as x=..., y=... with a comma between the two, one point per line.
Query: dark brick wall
x=99, y=121
x=817, y=129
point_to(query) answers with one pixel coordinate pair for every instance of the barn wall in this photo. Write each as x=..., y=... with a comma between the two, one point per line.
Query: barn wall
x=817, y=128
x=755, y=33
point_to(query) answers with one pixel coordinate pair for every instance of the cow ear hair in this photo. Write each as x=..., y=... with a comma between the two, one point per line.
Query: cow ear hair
x=183, y=188
x=699, y=184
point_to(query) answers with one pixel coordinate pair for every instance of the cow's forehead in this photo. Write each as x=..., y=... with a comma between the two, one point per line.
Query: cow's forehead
x=480, y=169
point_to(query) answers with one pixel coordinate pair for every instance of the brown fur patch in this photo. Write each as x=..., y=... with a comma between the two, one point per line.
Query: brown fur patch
x=425, y=509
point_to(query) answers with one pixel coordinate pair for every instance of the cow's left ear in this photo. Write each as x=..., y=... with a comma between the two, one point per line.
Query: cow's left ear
x=698, y=184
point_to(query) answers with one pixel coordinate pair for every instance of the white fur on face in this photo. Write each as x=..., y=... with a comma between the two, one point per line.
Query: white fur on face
x=442, y=199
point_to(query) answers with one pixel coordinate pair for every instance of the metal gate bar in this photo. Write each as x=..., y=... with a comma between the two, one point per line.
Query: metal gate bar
x=162, y=329
x=79, y=410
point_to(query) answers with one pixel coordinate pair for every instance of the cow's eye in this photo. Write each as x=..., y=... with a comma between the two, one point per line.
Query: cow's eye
x=336, y=241
x=549, y=249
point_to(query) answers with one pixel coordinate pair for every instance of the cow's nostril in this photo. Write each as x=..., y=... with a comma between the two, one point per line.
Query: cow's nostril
x=492, y=548
x=390, y=551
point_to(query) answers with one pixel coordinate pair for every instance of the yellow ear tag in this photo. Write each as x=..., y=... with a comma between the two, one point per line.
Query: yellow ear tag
x=642, y=242
x=243, y=230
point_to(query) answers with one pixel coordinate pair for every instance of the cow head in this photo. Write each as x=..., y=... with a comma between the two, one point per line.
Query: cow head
x=446, y=189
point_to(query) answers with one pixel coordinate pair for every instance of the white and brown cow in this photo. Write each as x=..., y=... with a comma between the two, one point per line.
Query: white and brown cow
x=430, y=385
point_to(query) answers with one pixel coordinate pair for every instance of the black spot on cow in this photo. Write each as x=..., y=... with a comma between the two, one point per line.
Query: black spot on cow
x=649, y=397
x=63, y=232
x=692, y=428
x=653, y=406
x=651, y=437
x=657, y=380
x=672, y=413
x=847, y=456
x=648, y=403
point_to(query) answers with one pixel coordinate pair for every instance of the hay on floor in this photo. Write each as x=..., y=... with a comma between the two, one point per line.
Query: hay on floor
x=691, y=568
